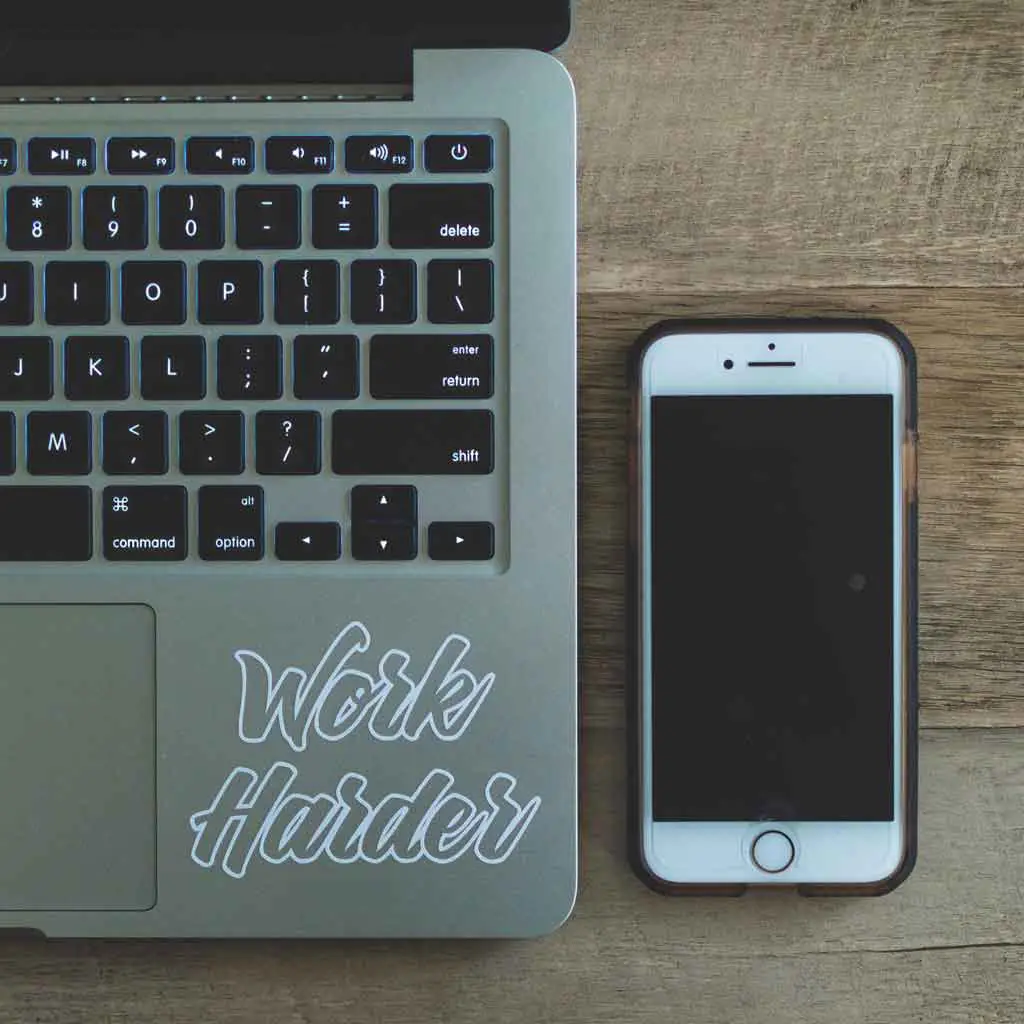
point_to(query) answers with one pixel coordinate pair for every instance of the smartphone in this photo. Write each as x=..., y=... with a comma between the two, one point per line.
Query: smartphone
x=773, y=712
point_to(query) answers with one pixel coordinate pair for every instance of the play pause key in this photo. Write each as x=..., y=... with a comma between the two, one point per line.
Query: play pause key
x=308, y=542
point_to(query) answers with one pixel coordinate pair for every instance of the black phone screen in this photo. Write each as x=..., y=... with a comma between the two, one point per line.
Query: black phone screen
x=772, y=608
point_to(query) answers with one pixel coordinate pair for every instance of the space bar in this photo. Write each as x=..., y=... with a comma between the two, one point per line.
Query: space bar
x=45, y=524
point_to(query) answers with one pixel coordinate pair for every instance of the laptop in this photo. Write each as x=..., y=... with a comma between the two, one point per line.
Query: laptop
x=288, y=475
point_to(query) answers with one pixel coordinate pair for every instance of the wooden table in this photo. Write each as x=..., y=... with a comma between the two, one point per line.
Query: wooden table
x=782, y=156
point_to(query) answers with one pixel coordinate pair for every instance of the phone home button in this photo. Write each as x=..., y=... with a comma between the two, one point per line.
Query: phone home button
x=772, y=851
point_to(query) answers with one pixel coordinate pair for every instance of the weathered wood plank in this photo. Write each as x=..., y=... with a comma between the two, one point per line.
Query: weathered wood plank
x=794, y=142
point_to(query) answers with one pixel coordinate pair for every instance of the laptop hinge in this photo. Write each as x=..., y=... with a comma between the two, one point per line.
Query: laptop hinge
x=202, y=66
x=276, y=93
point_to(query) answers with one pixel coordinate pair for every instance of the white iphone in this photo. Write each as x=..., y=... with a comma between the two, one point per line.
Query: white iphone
x=773, y=611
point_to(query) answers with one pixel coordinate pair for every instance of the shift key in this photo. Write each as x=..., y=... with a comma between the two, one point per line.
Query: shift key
x=411, y=442
x=45, y=524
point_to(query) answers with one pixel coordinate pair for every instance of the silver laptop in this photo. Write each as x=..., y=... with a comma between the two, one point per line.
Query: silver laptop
x=287, y=476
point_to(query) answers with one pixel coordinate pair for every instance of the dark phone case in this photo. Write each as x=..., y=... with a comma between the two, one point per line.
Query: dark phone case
x=633, y=649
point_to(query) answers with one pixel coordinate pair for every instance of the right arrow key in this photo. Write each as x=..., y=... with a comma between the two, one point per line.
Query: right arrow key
x=461, y=542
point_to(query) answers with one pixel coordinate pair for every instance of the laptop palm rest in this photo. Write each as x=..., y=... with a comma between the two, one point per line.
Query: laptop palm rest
x=77, y=753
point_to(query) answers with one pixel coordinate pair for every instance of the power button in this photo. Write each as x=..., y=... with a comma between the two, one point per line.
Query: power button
x=459, y=154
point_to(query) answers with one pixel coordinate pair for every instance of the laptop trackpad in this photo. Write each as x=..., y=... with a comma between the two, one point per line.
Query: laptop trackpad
x=77, y=757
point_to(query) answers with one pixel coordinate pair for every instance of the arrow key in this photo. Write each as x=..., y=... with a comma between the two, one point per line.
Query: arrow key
x=387, y=503
x=134, y=443
x=383, y=542
x=308, y=542
x=461, y=542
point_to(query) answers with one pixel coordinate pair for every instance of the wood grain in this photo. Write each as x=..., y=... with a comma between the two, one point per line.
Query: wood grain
x=627, y=955
x=970, y=347
x=742, y=145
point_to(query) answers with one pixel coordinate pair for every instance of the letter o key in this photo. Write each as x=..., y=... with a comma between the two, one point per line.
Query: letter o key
x=153, y=291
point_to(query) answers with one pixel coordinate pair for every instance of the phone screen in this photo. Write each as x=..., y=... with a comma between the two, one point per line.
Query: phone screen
x=772, y=608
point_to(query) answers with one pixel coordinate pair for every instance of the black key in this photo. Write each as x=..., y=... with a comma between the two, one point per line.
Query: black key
x=460, y=542
x=307, y=292
x=388, y=503
x=8, y=156
x=39, y=219
x=61, y=156
x=153, y=292
x=191, y=217
x=230, y=292
x=326, y=366
x=134, y=443
x=460, y=291
x=287, y=443
x=76, y=293
x=378, y=154
x=231, y=524
x=26, y=369
x=96, y=369
x=308, y=542
x=211, y=443
x=345, y=217
x=219, y=155
x=383, y=292
x=8, y=444
x=59, y=443
x=441, y=216
x=449, y=366
x=407, y=443
x=17, y=295
x=459, y=154
x=140, y=156
x=115, y=217
x=173, y=368
x=268, y=217
x=45, y=524
x=295, y=154
x=145, y=524
x=384, y=542
x=249, y=366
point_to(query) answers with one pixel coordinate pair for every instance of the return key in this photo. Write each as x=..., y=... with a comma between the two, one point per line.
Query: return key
x=446, y=366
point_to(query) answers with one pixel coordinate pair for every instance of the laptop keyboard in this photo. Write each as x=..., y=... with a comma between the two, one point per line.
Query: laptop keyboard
x=253, y=347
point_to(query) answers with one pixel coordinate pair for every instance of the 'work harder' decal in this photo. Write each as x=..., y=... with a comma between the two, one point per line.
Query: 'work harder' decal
x=265, y=816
